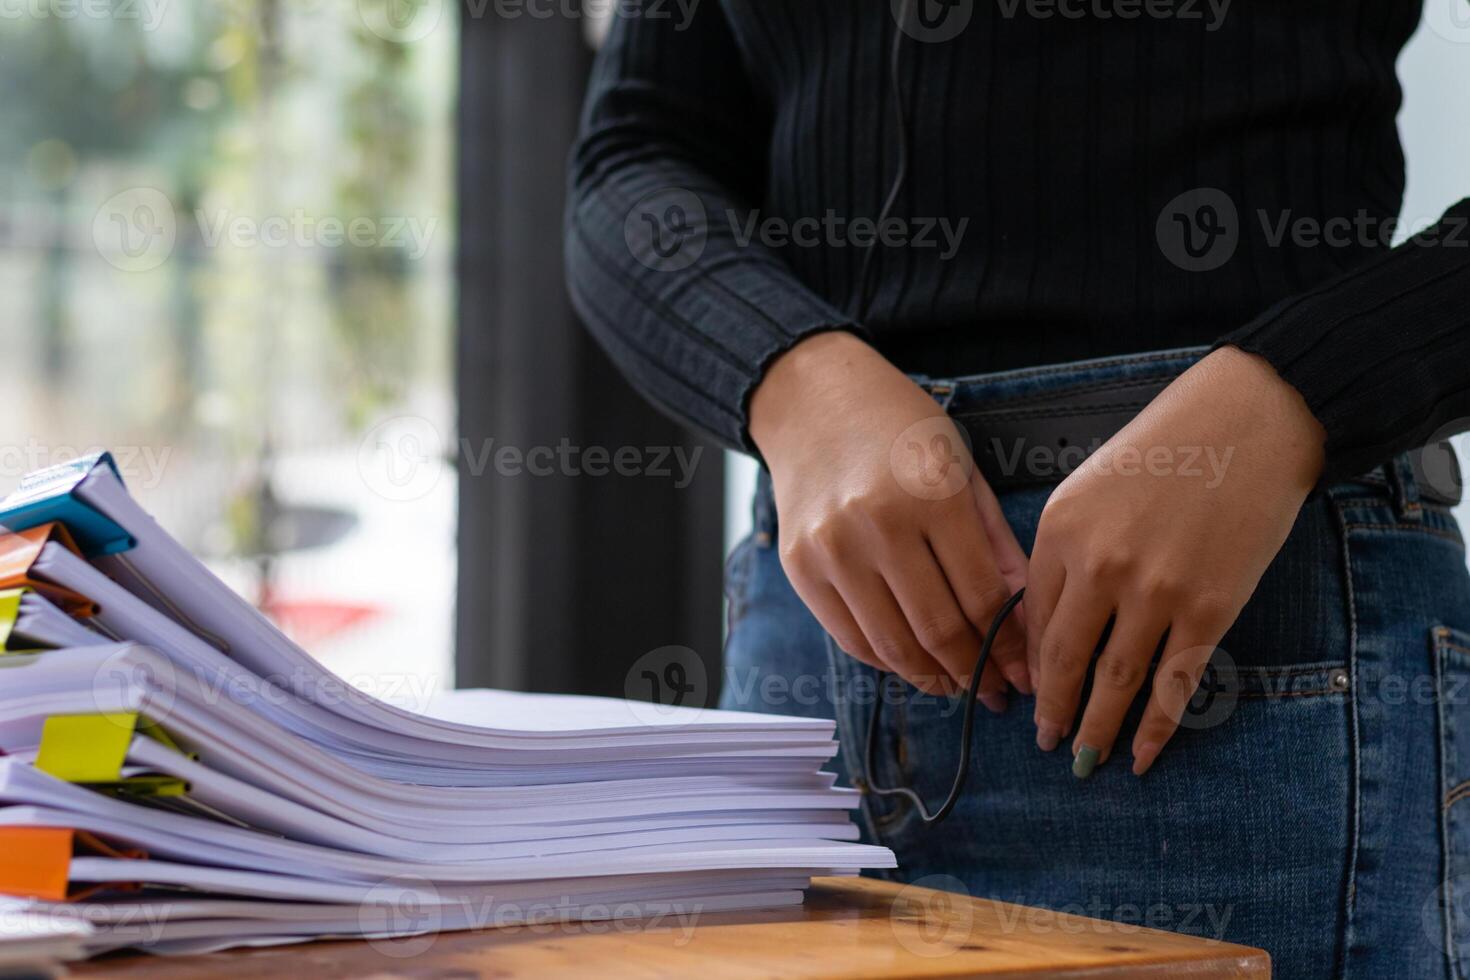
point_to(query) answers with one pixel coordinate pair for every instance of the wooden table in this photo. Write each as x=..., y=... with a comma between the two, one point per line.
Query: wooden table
x=848, y=928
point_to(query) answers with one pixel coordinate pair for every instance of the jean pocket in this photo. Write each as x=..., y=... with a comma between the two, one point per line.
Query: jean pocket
x=1452, y=667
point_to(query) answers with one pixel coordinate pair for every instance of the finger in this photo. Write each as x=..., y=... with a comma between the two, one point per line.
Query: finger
x=1010, y=560
x=878, y=614
x=1185, y=657
x=1045, y=580
x=1067, y=647
x=829, y=609
x=1009, y=557
x=963, y=553
x=1117, y=678
x=933, y=614
x=992, y=689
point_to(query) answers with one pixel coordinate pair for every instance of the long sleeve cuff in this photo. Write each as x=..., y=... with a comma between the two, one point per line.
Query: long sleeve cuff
x=1382, y=353
x=671, y=156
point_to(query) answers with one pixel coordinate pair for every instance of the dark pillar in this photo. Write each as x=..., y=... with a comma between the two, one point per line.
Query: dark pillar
x=564, y=580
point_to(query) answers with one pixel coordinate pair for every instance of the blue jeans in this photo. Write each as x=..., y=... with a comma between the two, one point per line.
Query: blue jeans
x=1314, y=802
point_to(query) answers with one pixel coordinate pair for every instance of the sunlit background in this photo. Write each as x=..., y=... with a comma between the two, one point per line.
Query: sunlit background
x=226, y=240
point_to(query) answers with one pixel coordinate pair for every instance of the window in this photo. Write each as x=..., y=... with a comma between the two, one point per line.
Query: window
x=226, y=240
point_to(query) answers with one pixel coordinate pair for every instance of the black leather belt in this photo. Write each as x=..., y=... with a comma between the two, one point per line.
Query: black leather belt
x=1039, y=439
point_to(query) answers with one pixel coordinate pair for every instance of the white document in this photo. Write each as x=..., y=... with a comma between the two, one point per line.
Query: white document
x=310, y=809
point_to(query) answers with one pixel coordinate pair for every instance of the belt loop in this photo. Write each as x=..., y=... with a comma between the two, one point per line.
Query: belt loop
x=943, y=393
x=1401, y=480
x=1437, y=473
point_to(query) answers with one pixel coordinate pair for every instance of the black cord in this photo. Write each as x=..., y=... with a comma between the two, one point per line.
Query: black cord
x=865, y=300
x=901, y=174
x=963, y=771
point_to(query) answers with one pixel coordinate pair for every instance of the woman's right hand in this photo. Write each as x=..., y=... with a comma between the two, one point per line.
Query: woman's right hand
x=888, y=533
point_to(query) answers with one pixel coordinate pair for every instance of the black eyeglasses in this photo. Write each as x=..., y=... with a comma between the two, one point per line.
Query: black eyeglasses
x=969, y=725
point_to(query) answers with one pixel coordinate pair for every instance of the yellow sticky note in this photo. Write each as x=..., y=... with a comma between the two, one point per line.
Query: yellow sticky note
x=9, y=609
x=86, y=748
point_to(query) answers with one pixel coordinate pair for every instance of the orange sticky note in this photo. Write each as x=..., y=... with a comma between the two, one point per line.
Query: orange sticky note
x=35, y=862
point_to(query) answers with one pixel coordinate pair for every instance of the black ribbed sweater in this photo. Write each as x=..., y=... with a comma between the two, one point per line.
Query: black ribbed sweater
x=1056, y=150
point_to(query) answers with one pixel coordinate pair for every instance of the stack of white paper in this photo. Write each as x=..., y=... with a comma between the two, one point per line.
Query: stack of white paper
x=179, y=776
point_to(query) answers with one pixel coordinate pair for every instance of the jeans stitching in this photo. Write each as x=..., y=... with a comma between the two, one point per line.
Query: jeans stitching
x=1376, y=504
x=1439, y=641
x=1280, y=672
x=1350, y=886
x=1070, y=391
x=1419, y=528
x=1051, y=370
x=1048, y=412
x=1368, y=502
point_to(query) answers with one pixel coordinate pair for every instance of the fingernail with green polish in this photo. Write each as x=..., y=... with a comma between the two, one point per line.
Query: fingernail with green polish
x=1085, y=762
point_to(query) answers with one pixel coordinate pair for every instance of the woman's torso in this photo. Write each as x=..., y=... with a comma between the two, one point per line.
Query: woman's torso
x=1048, y=156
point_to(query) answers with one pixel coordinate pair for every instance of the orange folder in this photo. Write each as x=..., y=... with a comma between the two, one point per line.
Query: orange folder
x=19, y=551
x=35, y=862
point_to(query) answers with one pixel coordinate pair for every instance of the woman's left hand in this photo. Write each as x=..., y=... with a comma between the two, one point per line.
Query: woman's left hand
x=1165, y=530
